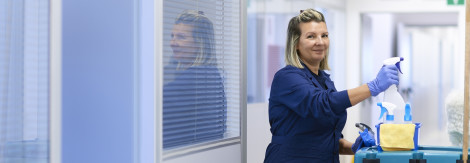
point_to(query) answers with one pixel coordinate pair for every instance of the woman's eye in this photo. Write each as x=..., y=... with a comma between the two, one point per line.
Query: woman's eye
x=310, y=36
x=324, y=35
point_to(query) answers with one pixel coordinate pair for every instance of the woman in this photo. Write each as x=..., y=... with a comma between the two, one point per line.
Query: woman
x=194, y=102
x=306, y=112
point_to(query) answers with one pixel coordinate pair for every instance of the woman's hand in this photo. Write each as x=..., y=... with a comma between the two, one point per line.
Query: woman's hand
x=365, y=139
x=345, y=147
x=387, y=76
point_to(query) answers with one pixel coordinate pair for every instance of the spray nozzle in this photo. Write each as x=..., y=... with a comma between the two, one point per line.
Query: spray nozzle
x=394, y=61
x=387, y=107
x=408, y=116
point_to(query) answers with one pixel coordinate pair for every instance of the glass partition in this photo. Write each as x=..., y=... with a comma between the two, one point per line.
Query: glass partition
x=201, y=75
x=24, y=81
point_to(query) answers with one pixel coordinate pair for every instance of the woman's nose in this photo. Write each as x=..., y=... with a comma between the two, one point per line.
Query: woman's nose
x=319, y=41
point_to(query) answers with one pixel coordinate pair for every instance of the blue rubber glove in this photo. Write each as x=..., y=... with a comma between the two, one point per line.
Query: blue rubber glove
x=365, y=139
x=388, y=75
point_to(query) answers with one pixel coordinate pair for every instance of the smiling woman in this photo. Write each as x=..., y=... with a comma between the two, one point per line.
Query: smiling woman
x=313, y=45
x=306, y=112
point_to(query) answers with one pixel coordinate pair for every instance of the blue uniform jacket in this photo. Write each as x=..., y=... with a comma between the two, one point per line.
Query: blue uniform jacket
x=306, y=119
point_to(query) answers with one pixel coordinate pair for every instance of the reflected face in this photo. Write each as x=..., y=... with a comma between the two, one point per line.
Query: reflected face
x=183, y=43
x=313, y=42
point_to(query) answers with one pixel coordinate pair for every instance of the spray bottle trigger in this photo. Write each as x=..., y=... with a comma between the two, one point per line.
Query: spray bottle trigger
x=397, y=64
x=383, y=110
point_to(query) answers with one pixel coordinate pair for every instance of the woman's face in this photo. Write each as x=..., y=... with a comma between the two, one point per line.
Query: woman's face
x=313, y=42
x=183, y=43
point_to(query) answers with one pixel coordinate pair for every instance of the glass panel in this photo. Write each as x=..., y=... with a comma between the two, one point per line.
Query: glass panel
x=201, y=99
x=24, y=79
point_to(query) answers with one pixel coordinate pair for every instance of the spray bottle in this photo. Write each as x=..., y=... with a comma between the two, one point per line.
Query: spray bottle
x=408, y=118
x=392, y=96
x=388, y=108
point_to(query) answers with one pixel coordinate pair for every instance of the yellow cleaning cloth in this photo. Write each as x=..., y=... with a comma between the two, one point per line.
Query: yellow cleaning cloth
x=397, y=137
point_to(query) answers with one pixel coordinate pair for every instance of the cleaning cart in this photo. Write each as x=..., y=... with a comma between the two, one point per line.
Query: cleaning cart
x=423, y=154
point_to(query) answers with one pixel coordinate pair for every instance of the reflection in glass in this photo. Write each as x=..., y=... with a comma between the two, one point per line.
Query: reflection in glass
x=24, y=81
x=194, y=102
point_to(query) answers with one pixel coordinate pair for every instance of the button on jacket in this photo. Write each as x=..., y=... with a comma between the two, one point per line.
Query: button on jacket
x=306, y=119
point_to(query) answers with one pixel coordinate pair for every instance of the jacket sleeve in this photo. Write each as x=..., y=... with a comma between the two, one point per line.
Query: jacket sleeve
x=296, y=91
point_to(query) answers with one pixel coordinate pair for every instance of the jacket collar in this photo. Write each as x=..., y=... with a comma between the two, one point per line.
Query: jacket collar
x=310, y=76
x=329, y=84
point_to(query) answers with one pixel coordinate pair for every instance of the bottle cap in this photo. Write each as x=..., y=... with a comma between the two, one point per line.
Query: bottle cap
x=408, y=116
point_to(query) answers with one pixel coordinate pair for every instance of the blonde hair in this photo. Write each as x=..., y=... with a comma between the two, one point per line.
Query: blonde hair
x=293, y=34
x=203, y=34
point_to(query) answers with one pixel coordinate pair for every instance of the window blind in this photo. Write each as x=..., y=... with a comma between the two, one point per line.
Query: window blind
x=24, y=28
x=201, y=61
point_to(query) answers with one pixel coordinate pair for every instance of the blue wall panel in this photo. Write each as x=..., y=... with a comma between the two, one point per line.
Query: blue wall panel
x=97, y=108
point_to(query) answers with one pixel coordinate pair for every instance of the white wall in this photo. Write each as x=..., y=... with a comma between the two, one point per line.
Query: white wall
x=259, y=135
